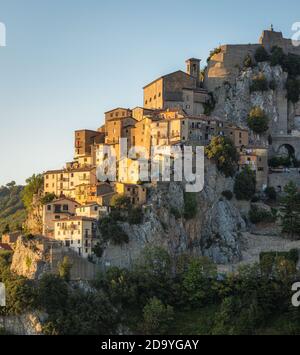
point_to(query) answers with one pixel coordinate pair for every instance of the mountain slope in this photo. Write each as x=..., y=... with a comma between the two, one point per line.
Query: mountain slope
x=12, y=211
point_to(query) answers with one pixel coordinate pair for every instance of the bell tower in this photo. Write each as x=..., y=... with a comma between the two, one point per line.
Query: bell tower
x=193, y=68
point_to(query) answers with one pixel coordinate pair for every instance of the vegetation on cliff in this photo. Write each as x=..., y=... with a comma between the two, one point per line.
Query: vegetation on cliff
x=12, y=211
x=223, y=152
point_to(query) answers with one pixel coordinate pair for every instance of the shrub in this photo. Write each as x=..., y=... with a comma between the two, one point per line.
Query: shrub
x=272, y=85
x=213, y=52
x=209, y=105
x=120, y=202
x=255, y=199
x=271, y=193
x=47, y=198
x=276, y=162
x=224, y=153
x=33, y=186
x=228, y=195
x=135, y=215
x=245, y=184
x=267, y=260
x=175, y=213
x=111, y=231
x=259, y=83
x=64, y=269
x=258, y=120
x=98, y=250
x=277, y=56
x=190, y=205
x=248, y=61
x=292, y=65
x=290, y=211
x=157, y=318
x=257, y=215
x=261, y=55
x=293, y=90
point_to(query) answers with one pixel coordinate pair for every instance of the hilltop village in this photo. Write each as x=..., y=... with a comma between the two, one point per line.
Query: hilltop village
x=188, y=107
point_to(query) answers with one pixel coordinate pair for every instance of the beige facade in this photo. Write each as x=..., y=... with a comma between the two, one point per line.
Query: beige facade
x=92, y=211
x=64, y=182
x=178, y=90
x=136, y=193
x=84, y=139
x=77, y=233
x=56, y=210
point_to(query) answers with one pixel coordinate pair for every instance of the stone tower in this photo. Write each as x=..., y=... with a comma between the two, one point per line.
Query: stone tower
x=193, y=67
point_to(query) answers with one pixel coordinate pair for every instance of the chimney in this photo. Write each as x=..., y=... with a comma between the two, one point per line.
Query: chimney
x=193, y=67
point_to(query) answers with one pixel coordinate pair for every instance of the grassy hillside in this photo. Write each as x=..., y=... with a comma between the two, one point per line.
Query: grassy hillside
x=12, y=211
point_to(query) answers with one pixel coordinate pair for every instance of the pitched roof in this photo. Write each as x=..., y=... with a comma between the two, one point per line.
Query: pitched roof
x=165, y=76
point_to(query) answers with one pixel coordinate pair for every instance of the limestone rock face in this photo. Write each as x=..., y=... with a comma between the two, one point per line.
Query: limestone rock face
x=27, y=324
x=29, y=259
x=214, y=232
x=234, y=100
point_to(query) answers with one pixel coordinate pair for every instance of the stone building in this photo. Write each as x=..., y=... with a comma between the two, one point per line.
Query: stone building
x=178, y=90
x=56, y=210
x=77, y=233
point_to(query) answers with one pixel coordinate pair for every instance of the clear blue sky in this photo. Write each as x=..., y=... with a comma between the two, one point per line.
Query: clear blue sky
x=67, y=62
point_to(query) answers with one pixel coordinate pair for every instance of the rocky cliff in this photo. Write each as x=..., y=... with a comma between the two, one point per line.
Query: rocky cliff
x=26, y=324
x=235, y=100
x=214, y=232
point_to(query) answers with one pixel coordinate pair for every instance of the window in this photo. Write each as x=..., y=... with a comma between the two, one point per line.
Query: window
x=49, y=208
x=57, y=217
x=261, y=169
x=65, y=207
x=159, y=94
x=47, y=176
x=47, y=185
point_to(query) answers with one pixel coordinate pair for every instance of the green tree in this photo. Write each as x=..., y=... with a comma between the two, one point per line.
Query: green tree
x=34, y=185
x=258, y=120
x=290, y=211
x=197, y=280
x=190, y=205
x=245, y=185
x=277, y=56
x=224, y=153
x=259, y=83
x=261, y=55
x=120, y=202
x=64, y=268
x=157, y=318
x=293, y=89
x=111, y=231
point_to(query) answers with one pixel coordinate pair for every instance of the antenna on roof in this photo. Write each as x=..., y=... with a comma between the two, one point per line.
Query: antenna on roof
x=272, y=28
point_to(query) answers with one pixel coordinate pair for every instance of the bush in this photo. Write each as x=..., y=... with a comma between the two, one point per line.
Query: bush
x=48, y=198
x=228, y=195
x=111, y=231
x=257, y=215
x=213, y=52
x=248, y=61
x=64, y=269
x=261, y=55
x=245, y=185
x=209, y=105
x=174, y=211
x=277, y=56
x=259, y=83
x=190, y=205
x=157, y=318
x=271, y=193
x=276, y=162
x=34, y=185
x=135, y=215
x=224, y=153
x=272, y=85
x=293, y=90
x=268, y=260
x=258, y=120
